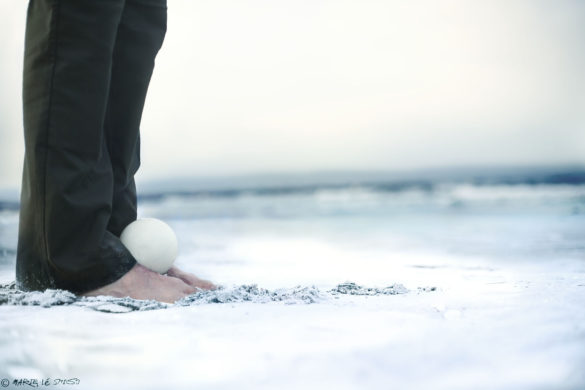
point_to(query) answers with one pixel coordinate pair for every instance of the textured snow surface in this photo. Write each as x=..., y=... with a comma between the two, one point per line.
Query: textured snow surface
x=452, y=288
x=10, y=295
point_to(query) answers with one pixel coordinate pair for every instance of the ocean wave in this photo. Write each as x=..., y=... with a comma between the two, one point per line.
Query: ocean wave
x=533, y=184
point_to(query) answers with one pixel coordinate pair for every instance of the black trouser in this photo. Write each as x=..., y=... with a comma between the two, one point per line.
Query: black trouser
x=87, y=66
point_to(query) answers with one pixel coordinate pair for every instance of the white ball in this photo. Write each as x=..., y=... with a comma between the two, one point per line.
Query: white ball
x=152, y=243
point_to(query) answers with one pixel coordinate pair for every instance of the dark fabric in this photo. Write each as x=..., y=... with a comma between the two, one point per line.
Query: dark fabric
x=87, y=66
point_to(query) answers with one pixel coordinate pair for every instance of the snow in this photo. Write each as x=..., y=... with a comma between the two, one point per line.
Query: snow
x=481, y=296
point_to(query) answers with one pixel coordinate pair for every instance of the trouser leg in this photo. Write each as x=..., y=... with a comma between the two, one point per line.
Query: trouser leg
x=140, y=35
x=67, y=182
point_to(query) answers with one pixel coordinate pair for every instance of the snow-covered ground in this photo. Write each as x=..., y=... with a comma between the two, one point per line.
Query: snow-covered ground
x=487, y=282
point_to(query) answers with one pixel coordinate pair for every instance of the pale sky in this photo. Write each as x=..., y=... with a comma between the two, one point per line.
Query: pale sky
x=264, y=86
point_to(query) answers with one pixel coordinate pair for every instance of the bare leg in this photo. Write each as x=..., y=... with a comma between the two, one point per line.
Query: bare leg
x=142, y=283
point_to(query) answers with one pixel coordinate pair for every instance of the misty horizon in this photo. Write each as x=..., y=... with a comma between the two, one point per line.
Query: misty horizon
x=243, y=88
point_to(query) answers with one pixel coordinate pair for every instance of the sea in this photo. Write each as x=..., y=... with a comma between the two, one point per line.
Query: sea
x=444, y=279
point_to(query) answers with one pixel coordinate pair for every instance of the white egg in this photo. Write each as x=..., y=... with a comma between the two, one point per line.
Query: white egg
x=152, y=243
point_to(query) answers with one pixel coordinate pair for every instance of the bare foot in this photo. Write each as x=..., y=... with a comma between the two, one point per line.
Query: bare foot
x=143, y=283
x=191, y=279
